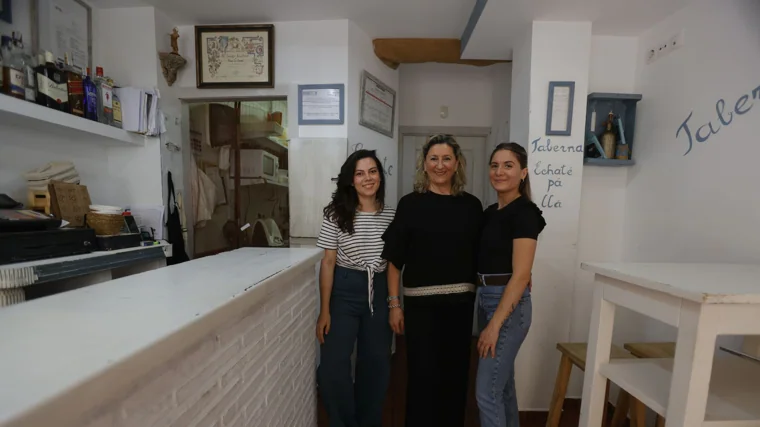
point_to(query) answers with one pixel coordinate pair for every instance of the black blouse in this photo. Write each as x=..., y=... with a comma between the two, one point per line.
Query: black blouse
x=519, y=219
x=436, y=238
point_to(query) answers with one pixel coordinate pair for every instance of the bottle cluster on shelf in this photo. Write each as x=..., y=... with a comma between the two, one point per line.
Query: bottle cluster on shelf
x=57, y=83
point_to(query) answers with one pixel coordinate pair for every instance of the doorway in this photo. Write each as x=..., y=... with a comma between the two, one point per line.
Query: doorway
x=230, y=209
x=474, y=144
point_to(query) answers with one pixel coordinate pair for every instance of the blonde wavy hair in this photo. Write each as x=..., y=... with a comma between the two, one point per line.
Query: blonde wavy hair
x=458, y=181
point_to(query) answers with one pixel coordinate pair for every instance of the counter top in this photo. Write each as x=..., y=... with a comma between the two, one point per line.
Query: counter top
x=700, y=282
x=52, y=344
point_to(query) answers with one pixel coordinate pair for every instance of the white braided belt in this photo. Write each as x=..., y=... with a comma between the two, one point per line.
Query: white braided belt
x=457, y=288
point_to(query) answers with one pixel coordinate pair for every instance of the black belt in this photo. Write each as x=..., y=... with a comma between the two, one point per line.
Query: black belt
x=494, y=279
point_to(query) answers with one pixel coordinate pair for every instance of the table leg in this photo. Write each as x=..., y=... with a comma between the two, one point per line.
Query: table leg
x=692, y=366
x=599, y=343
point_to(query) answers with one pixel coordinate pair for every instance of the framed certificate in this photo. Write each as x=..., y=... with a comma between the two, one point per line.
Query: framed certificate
x=377, y=109
x=321, y=104
x=559, y=112
x=234, y=56
x=63, y=27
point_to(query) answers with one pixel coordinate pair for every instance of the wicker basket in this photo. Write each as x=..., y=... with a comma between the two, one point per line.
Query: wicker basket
x=105, y=224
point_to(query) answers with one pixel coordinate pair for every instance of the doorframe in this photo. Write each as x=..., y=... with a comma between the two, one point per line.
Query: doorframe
x=475, y=131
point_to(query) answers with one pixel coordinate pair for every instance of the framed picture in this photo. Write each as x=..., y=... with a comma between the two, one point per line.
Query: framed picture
x=5, y=11
x=377, y=108
x=321, y=104
x=559, y=111
x=234, y=56
x=63, y=27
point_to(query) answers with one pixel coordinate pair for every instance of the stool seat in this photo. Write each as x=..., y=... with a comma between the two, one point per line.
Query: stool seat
x=652, y=350
x=576, y=351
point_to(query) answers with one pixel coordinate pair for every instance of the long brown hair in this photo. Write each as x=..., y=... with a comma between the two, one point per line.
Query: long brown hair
x=522, y=157
x=458, y=181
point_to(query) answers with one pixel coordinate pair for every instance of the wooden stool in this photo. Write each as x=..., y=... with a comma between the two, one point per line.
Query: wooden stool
x=575, y=354
x=652, y=350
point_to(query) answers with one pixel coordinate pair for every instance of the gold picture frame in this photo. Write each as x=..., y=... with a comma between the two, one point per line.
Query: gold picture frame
x=234, y=56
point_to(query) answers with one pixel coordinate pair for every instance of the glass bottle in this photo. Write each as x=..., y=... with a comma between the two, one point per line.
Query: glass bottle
x=28, y=65
x=105, y=97
x=51, y=84
x=75, y=87
x=90, y=97
x=13, y=76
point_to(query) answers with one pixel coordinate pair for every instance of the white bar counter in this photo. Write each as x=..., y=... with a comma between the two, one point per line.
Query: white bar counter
x=227, y=339
x=702, y=301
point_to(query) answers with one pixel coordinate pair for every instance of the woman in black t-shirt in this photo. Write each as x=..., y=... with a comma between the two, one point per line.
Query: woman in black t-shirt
x=505, y=259
x=434, y=239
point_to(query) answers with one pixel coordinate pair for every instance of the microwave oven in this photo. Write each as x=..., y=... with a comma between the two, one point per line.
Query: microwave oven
x=257, y=164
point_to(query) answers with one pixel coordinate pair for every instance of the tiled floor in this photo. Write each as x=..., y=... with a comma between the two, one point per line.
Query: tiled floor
x=394, y=405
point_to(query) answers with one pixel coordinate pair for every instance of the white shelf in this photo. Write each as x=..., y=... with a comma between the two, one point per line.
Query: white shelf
x=24, y=114
x=734, y=392
x=260, y=129
x=254, y=181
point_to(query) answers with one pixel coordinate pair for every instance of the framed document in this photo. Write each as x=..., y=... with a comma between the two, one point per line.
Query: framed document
x=377, y=109
x=321, y=104
x=234, y=56
x=559, y=112
x=63, y=27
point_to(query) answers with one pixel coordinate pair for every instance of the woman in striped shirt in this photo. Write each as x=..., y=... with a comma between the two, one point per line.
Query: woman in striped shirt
x=353, y=290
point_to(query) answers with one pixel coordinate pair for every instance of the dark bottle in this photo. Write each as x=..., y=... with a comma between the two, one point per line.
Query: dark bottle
x=90, y=98
x=75, y=87
x=52, y=90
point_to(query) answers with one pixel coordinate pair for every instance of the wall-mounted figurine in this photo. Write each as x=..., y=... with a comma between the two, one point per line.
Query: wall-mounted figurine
x=172, y=62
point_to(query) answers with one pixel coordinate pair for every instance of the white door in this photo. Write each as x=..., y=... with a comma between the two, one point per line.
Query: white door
x=473, y=148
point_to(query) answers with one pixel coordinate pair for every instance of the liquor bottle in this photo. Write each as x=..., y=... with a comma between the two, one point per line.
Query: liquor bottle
x=75, y=87
x=27, y=63
x=116, y=108
x=90, y=97
x=51, y=84
x=105, y=97
x=13, y=75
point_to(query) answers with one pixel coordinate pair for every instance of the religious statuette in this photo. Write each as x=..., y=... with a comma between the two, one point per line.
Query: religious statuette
x=172, y=62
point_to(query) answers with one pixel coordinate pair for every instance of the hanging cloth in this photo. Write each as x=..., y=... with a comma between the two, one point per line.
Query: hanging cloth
x=174, y=227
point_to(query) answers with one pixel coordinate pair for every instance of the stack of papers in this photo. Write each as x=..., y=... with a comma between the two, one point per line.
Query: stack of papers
x=139, y=110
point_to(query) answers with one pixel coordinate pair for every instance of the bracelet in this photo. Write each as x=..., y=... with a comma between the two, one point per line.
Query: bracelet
x=394, y=306
x=389, y=299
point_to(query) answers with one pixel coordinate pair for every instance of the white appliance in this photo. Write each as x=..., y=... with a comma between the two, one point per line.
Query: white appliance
x=256, y=164
x=312, y=164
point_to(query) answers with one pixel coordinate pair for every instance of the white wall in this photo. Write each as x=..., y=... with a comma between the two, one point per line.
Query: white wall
x=361, y=57
x=602, y=211
x=305, y=52
x=700, y=206
x=466, y=90
x=560, y=51
x=520, y=99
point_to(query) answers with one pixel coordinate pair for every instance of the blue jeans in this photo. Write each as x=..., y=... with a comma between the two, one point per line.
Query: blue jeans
x=359, y=403
x=495, y=386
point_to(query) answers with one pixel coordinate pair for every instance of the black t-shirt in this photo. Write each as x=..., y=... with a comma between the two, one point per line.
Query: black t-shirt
x=436, y=238
x=521, y=219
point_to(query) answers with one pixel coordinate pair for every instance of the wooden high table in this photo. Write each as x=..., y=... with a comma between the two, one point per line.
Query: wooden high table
x=702, y=301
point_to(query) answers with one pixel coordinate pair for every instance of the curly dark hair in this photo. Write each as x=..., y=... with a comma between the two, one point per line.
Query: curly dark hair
x=345, y=200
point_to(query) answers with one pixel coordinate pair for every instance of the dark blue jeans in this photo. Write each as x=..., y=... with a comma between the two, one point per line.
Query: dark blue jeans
x=495, y=386
x=359, y=403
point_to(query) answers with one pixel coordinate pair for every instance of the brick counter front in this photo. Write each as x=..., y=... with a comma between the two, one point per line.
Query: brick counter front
x=248, y=359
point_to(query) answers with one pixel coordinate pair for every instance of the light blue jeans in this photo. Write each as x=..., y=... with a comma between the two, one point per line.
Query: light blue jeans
x=495, y=386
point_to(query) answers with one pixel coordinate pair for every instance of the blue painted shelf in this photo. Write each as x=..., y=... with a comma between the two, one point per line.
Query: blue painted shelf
x=598, y=161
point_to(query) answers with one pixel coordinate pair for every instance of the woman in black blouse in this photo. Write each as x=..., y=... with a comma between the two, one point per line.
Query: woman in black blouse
x=434, y=238
x=505, y=259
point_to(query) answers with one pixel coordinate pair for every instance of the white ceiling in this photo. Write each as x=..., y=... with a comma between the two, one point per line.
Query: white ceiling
x=505, y=21
x=500, y=23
